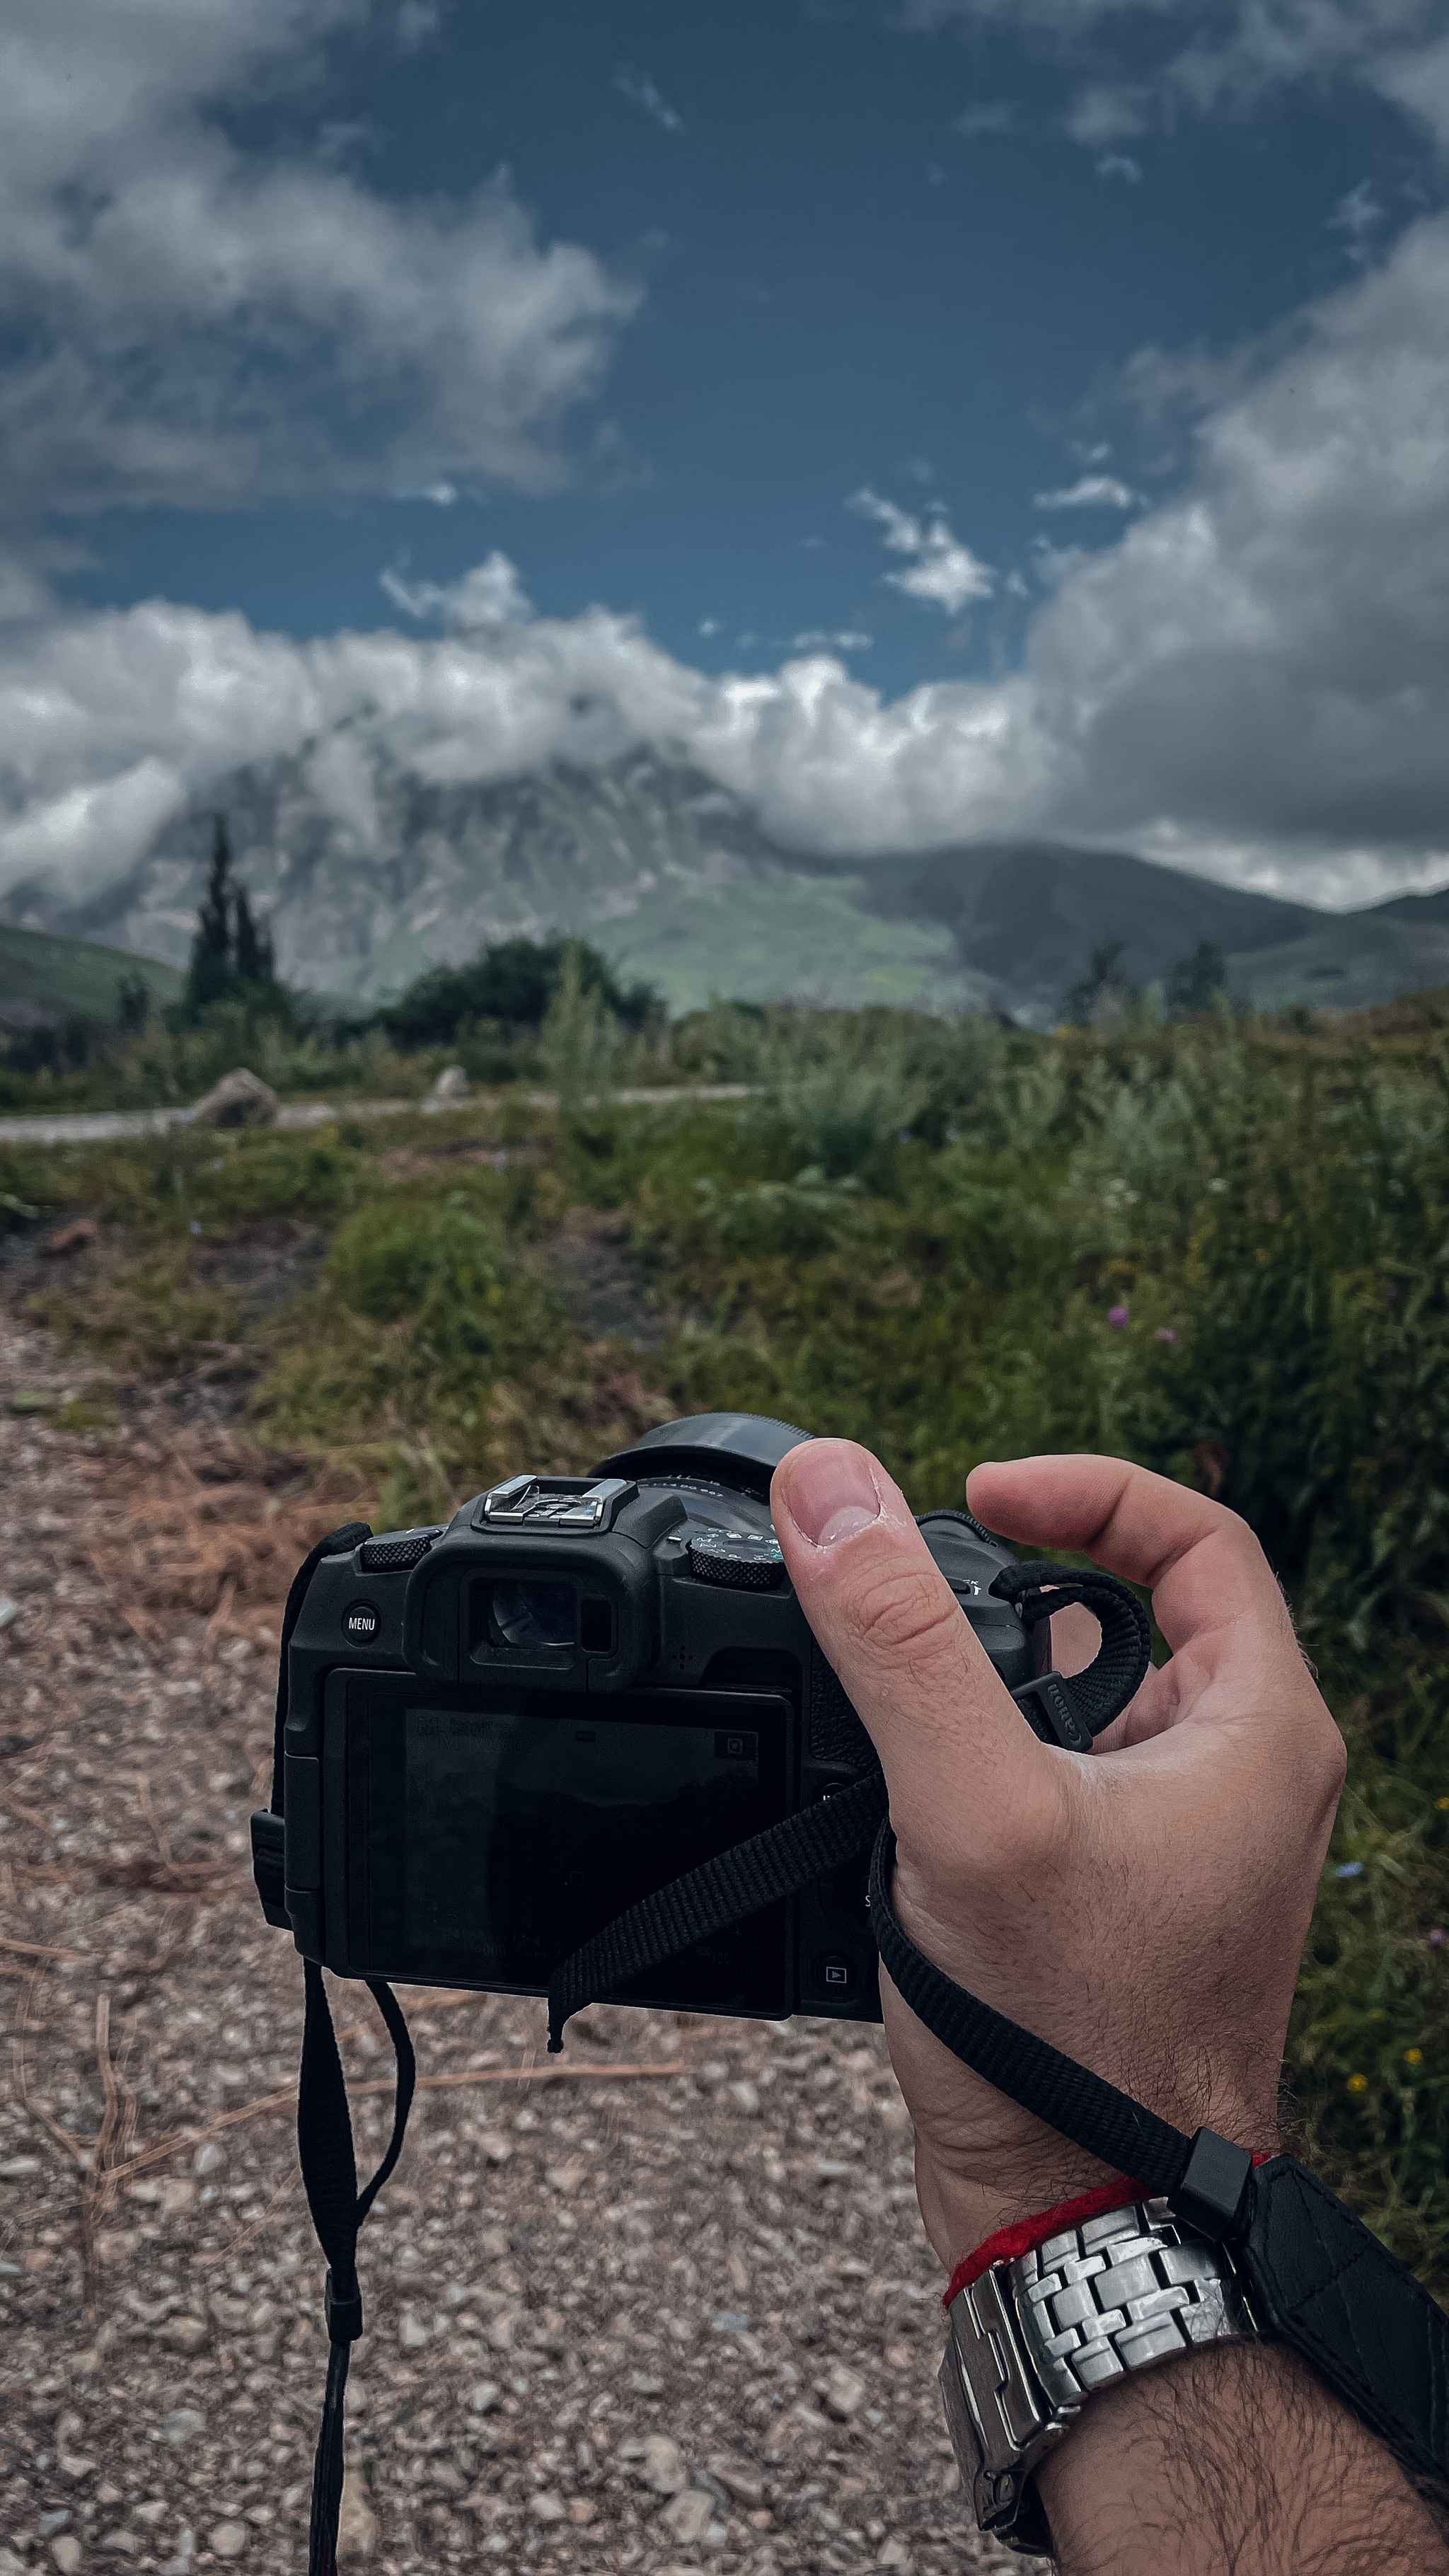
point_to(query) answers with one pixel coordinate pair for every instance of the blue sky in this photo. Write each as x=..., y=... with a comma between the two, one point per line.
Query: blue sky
x=841, y=290
x=942, y=420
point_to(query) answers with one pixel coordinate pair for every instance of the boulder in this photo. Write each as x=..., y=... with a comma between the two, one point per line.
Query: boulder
x=240, y=1099
x=452, y=1084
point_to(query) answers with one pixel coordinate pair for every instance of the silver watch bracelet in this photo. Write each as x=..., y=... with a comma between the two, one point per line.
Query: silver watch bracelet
x=1033, y=2339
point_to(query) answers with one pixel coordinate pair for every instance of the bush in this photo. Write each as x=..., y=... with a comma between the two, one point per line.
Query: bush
x=513, y=985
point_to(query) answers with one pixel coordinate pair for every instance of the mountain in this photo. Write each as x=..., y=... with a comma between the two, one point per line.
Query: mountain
x=369, y=872
x=52, y=976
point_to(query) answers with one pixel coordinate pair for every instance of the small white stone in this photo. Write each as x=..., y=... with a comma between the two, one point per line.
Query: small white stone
x=566, y=2178
x=67, y=2553
x=452, y=1084
x=547, y=2508
x=844, y=2391
x=19, y=2168
x=414, y=2333
x=356, y=2521
x=689, y=2515
x=663, y=2463
x=228, y=2540
x=184, y=2334
x=181, y=2424
x=484, y=2396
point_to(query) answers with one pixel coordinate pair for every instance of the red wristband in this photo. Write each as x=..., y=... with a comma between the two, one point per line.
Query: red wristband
x=1027, y=2233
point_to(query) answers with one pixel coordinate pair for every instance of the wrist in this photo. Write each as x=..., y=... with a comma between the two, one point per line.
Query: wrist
x=964, y=2206
x=1237, y=2457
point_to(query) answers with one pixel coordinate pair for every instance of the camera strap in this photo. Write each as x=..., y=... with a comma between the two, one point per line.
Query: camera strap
x=787, y=1857
x=770, y=1867
x=329, y=2176
x=1317, y=2278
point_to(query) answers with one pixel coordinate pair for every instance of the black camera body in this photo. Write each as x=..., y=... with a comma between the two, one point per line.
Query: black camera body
x=501, y=1733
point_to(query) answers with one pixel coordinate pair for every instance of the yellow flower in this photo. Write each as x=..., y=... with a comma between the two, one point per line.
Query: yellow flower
x=1413, y=2057
x=1442, y=1804
x=1358, y=2083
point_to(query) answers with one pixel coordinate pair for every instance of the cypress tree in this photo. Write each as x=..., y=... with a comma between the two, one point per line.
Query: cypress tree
x=209, y=975
x=252, y=962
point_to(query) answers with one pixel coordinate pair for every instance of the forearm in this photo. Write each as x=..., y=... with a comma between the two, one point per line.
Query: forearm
x=1239, y=2460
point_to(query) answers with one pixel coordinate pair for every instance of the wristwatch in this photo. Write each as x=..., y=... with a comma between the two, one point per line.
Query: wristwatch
x=1033, y=2339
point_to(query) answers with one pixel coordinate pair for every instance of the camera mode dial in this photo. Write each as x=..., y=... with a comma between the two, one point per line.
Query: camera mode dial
x=741, y=1560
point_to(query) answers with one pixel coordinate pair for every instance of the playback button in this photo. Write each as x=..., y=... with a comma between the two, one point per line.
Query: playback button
x=836, y=1974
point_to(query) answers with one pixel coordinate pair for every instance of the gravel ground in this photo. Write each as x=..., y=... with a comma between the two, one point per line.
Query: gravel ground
x=671, y=2309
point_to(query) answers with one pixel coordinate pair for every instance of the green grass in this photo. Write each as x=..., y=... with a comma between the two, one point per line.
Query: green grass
x=916, y=1235
x=76, y=975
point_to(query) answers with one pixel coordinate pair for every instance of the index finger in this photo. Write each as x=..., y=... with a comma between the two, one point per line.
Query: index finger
x=1201, y=1563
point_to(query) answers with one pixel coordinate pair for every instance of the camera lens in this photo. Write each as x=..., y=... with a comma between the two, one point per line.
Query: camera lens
x=526, y=1618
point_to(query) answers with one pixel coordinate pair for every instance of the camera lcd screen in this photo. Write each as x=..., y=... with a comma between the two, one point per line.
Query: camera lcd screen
x=497, y=1836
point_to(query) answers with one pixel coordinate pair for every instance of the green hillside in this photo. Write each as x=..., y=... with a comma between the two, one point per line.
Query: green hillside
x=65, y=975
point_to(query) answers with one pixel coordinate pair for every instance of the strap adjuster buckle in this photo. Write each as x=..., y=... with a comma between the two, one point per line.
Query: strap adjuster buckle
x=344, y=2316
x=1047, y=1706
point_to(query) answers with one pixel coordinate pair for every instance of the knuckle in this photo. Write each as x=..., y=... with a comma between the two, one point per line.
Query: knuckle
x=906, y=1614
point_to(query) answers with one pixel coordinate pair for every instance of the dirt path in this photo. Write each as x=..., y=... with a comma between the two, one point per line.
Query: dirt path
x=633, y=2319
x=102, y=1126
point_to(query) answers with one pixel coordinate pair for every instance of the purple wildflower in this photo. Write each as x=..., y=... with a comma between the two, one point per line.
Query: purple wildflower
x=1119, y=1317
x=1438, y=1937
x=1165, y=1333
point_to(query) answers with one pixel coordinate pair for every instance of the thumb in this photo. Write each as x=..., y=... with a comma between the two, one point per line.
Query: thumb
x=951, y=1740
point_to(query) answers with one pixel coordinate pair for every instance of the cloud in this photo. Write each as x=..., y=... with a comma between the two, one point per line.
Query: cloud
x=1219, y=57
x=984, y=116
x=417, y=21
x=1106, y=114
x=1357, y=216
x=641, y=91
x=945, y=573
x=844, y=639
x=196, y=322
x=491, y=594
x=1119, y=165
x=1089, y=492
x=1418, y=82
x=1253, y=680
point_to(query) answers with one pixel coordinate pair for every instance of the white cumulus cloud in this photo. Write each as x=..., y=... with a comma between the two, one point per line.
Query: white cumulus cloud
x=944, y=573
x=197, y=321
x=1251, y=679
x=490, y=594
x=1089, y=492
x=1219, y=57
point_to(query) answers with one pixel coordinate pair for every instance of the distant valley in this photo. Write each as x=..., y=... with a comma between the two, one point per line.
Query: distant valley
x=368, y=873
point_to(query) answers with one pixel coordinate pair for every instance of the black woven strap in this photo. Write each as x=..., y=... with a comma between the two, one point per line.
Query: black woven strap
x=1109, y=2124
x=721, y=1892
x=1120, y=1664
x=329, y=2175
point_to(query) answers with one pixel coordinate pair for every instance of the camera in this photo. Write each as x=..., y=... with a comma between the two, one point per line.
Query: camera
x=500, y=1734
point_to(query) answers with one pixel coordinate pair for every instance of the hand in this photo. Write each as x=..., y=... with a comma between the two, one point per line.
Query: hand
x=1143, y=1907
